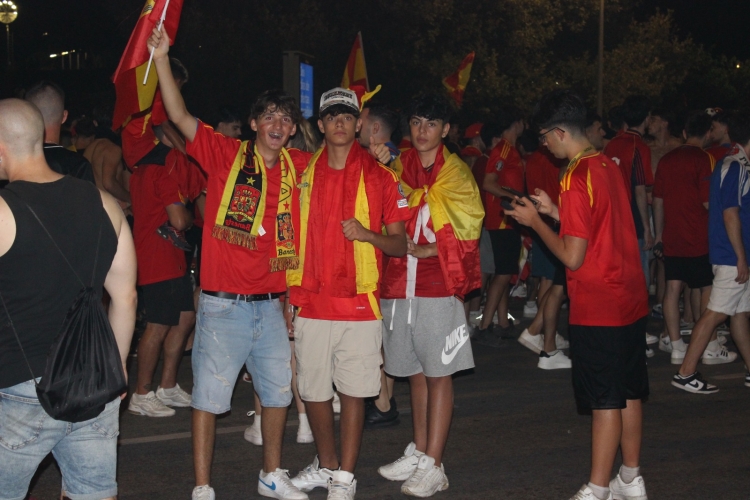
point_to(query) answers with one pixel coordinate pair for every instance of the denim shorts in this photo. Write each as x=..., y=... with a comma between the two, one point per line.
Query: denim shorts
x=230, y=333
x=86, y=452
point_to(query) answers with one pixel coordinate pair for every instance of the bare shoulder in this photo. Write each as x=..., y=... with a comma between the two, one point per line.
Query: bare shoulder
x=7, y=227
x=113, y=211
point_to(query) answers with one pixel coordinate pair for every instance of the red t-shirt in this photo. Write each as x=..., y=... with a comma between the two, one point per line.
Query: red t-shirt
x=631, y=153
x=478, y=171
x=152, y=189
x=504, y=161
x=226, y=267
x=683, y=179
x=719, y=151
x=609, y=288
x=365, y=306
x=543, y=172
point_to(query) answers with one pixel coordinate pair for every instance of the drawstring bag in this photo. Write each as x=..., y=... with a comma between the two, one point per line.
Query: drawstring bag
x=83, y=371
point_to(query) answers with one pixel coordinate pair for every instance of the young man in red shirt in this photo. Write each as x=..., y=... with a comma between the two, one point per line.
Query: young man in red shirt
x=426, y=337
x=346, y=199
x=249, y=240
x=598, y=246
x=504, y=168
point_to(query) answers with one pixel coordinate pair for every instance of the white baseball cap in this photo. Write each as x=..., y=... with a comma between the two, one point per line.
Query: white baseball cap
x=339, y=96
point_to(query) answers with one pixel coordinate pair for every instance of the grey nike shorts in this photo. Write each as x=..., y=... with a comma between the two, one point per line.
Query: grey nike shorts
x=425, y=335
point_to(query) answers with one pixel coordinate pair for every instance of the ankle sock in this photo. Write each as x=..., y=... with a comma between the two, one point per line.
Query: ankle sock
x=256, y=421
x=713, y=346
x=600, y=492
x=627, y=474
x=679, y=345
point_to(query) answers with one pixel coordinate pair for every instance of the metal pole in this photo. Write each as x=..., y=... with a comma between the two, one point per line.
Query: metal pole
x=600, y=85
x=7, y=36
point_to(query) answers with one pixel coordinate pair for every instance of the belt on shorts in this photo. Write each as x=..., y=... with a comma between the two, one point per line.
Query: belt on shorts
x=253, y=297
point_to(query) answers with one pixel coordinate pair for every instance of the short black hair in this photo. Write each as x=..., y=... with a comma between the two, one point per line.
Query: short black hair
x=740, y=131
x=529, y=141
x=728, y=118
x=430, y=106
x=45, y=86
x=561, y=107
x=490, y=130
x=635, y=110
x=179, y=71
x=615, y=118
x=507, y=116
x=384, y=114
x=85, y=127
x=697, y=124
x=228, y=114
x=339, y=109
x=276, y=100
x=591, y=118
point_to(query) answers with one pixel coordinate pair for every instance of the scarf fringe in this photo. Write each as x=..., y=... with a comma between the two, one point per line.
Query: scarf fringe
x=234, y=237
x=284, y=263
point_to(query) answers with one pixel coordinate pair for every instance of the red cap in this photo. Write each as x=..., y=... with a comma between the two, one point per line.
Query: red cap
x=473, y=130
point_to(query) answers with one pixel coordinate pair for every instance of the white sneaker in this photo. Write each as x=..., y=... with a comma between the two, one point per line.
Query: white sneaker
x=665, y=343
x=620, y=490
x=313, y=476
x=174, y=396
x=336, y=403
x=530, y=309
x=277, y=484
x=585, y=493
x=556, y=361
x=304, y=433
x=404, y=467
x=560, y=342
x=474, y=317
x=426, y=480
x=650, y=352
x=518, y=291
x=651, y=339
x=149, y=405
x=686, y=331
x=342, y=486
x=253, y=433
x=722, y=330
x=533, y=342
x=204, y=492
x=718, y=357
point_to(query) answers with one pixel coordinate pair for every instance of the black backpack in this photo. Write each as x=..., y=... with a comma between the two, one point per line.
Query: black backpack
x=84, y=371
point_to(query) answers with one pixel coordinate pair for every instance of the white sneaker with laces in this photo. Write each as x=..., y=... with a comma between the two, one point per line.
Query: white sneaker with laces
x=404, y=467
x=560, y=342
x=530, y=309
x=174, y=396
x=342, y=486
x=651, y=339
x=650, y=352
x=277, y=484
x=585, y=493
x=426, y=480
x=556, y=361
x=532, y=342
x=635, y=490
x=204, y=492
x=518, y=291
x=718, y=357
x=665, y=344
x=313, y=476
x=336, y=403
x=253, y=433
x=149, y=405
x=304, y=432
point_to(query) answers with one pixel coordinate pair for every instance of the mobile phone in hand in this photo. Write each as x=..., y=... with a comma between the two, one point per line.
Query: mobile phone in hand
x=519, y=194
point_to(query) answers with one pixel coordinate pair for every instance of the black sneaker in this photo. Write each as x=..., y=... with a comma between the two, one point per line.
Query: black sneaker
x=168, y=232
x=694, y=383
x=375, y=419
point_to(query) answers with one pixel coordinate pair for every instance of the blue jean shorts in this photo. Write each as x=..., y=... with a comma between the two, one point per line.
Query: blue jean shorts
x=230, y=333
x=86, y=452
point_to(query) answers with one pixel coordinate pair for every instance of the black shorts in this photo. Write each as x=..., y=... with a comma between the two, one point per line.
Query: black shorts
x=165, y=300
x=695, y=271
x=609, y=365
x=506, y=248
x=560, y=276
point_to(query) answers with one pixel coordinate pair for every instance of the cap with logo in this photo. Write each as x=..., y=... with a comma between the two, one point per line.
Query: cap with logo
x=339, y=95
x=473, y=130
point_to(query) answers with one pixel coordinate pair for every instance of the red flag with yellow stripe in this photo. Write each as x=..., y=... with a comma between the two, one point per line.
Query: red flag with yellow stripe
x=355, y=72
x=134, y=98
x=456, y=83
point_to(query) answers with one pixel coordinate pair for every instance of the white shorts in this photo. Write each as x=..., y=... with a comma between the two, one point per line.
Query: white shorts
x=728, y=296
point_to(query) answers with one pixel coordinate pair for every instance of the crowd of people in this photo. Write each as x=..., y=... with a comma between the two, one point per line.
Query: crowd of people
x=324, y=258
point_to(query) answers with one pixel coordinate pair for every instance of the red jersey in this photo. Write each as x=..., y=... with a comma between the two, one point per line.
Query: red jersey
x=683, y=179
x=226, y=267
x=478, y=171
x=543, y=172
x=609, y=288
x=631, y=153
x=364, y=306
x=719, y=151
x=504, y=161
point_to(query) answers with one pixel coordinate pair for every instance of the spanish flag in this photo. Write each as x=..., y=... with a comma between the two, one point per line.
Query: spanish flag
x=456, y=83
x=134, y=98
x=355, y=72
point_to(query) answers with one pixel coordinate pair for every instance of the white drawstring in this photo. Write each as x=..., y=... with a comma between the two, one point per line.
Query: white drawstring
x=393, y=313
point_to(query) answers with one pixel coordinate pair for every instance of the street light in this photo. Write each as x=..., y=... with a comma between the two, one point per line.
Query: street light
x=8, y=14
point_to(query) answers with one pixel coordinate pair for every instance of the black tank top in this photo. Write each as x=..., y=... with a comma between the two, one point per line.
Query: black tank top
x=36, y=283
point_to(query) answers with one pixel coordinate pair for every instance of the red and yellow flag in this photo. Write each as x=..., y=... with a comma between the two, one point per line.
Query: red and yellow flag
x=134, y=98
x=456, y=83
x=355, y=72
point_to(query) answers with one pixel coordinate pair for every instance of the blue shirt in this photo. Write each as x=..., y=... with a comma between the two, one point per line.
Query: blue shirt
x=730, y=187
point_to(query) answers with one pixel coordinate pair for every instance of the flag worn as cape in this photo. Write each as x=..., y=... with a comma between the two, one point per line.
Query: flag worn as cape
x=134, y=98
x=456, y=83
x=456, y=211
x=355, y=72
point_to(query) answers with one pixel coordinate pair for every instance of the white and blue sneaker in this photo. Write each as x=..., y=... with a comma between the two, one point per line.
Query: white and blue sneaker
x=313, y=476
x=277, y=484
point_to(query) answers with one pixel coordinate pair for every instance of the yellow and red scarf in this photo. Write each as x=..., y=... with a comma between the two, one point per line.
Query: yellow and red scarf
x=239, y=219
x=355, y=269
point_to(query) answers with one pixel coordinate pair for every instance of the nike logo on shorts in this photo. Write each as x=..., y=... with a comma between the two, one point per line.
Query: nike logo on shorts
x=453, y=343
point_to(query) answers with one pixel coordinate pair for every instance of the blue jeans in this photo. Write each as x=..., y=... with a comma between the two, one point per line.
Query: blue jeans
x=645, y=257
x=86, y=451
x=230, y=333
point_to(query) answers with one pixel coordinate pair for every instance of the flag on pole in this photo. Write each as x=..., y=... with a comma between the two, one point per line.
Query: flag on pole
x=133, y=97
x=355, y=72
x=456, y=83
